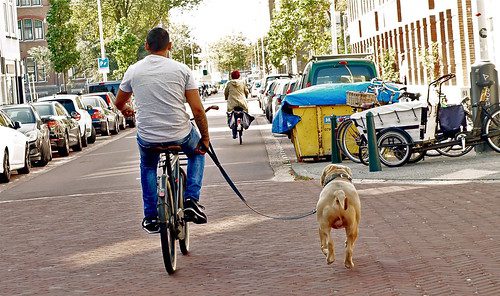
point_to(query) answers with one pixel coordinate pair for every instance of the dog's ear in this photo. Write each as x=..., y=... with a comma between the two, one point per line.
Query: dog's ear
x=348, y=171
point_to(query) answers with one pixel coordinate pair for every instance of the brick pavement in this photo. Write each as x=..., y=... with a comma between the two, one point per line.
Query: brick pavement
x=414, y=240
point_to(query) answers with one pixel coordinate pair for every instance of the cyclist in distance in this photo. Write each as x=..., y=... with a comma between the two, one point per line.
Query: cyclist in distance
x=160, y=87
x=236, y=93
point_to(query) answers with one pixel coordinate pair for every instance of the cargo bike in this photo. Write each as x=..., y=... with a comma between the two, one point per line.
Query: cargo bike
x=409, y=129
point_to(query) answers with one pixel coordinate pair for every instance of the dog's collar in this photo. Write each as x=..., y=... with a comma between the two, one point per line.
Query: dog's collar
x=332, y=177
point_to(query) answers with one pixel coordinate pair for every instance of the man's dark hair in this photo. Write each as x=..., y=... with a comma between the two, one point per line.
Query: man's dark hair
x=157, y=39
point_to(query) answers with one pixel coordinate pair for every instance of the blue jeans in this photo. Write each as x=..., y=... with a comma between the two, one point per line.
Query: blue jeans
x=149, y=170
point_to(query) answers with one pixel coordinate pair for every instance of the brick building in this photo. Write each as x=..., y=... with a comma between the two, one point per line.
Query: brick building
x=408, y=26
x=11, y=87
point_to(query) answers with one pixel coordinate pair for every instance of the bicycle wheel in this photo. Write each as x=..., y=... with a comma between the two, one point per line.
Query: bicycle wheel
x=240, y=135
x=394, y=147
x=363, y=152
x=184, y=227
x=492, y=131
x=348, y=138
x=167, y=232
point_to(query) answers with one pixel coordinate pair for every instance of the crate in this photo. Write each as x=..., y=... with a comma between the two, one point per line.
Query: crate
x=358, y=99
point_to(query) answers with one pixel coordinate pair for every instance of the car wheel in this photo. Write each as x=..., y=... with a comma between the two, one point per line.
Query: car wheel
x=5, y=176
x=93, y=135
x=84, y=139
x=123, y=125
x=64, y=150
x=78, y=145
x=27, y=163
x=132, y=123
x=105, y=130
x=116, y=129
x=45, y=158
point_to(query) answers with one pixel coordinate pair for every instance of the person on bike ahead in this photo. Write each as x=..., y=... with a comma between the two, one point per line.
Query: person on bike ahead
x=161, y=86
x=236, y=93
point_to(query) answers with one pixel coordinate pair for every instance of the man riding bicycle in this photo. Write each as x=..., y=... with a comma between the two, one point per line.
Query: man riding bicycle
x=161, y=86
x=236, y=93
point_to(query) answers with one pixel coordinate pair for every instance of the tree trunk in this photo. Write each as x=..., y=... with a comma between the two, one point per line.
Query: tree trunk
x=64, y=81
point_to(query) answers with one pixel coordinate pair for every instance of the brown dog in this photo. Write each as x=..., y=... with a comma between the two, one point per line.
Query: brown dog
x=338, y=207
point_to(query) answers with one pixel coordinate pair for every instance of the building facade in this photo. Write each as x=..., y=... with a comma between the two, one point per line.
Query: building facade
x=445, y=30
x=11, y=87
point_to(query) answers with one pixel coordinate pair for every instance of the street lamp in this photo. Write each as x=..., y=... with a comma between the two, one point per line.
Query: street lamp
x=101, y=38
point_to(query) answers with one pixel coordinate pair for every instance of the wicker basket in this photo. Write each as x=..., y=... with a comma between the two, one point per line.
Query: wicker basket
x=357, y=99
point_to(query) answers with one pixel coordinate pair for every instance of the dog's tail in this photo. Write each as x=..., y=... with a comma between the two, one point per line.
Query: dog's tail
x=340, y=199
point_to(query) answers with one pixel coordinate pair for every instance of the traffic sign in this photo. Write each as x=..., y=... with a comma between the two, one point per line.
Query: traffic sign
x=103, y=64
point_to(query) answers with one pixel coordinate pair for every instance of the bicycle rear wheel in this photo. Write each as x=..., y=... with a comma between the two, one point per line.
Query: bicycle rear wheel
x=348, y=138
x=453, y=150
x=492, y=130
x=240, y=135
x=167, y=232
x=184, y=228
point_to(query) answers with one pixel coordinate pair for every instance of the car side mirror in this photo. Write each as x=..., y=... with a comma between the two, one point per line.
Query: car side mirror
x=74, y=114
x=110, y=108
x=89, y=108
x=17, y=125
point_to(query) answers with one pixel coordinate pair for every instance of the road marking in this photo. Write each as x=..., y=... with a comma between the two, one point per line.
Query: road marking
x=466, y=174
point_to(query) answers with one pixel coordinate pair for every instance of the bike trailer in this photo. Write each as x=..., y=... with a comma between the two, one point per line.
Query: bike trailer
x=409, y=116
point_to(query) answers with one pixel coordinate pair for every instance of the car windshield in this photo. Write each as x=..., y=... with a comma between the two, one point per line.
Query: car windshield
x=111, y=87
x=23, y=115
x=68, y=105
x=343, y=74
x=94, y=102
x=44, y=110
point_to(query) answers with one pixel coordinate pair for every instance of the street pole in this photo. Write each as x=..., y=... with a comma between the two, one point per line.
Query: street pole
x=333, y=22
x=101, y=38
x=263, y=57
x=192, y=57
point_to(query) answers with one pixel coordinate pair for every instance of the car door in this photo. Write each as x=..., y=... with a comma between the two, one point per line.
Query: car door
x=72, y=126
x=85, y=116
x=16, y=141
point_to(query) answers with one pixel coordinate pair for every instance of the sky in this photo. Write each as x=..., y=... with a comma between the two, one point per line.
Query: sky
x=214, y=19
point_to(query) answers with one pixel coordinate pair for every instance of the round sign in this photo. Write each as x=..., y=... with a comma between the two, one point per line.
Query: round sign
x=483, y=33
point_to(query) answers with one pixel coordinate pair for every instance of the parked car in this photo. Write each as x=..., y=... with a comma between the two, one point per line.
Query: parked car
x=279, y=93
x=256, y=87
x=104, y=119
x=32, y=127
x=14, y=148
x=112, y=87
x=346, y=68
x=265, y=88
x=73, y=104
x=64, y=129
x=109, y=98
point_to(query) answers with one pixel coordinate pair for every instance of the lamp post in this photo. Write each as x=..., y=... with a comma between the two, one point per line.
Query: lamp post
x=101, y=38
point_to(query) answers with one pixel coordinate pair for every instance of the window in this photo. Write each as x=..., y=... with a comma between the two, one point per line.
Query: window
x=27, y=29
x=36, y=2
x=6, y=17
x=25, y=3
x=19, y=29
x=34, y=71
x=38, y=29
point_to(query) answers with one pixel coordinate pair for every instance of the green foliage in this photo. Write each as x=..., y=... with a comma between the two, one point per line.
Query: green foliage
x=180, y=35
x=41, y=55
x=123, y=46
x=389, y=65
x=61, y=37
x=299, y=25
x=230, y=53
x=429, y=57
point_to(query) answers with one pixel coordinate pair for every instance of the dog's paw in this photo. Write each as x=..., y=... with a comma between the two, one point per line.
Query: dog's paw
x=324, y=251
x=330, y=260
x=348, y=264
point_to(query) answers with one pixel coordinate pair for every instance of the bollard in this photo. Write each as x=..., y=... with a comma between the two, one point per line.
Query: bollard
x=373, y=160
x=335, y=148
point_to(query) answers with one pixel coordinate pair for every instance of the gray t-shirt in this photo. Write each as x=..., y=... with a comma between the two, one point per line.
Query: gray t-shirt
x=159, y=86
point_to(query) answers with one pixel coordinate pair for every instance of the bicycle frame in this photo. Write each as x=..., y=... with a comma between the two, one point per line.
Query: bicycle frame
x=170, y=165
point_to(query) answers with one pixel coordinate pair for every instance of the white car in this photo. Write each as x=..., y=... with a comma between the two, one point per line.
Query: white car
x=77, y=110
x=14, y=149
x=256, y=87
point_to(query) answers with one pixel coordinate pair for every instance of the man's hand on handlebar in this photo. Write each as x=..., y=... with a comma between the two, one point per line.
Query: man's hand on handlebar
x=127, y=111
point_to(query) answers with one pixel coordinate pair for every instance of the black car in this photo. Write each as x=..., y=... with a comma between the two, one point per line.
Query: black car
x=35, y=129
x=64, y=130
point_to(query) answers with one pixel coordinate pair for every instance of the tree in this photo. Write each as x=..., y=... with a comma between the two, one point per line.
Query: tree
x=389, y=65
x=314, y=27
x=41, y=55
x=61, y=37
x=230, y=53
x=182, y=41
x=123, y=46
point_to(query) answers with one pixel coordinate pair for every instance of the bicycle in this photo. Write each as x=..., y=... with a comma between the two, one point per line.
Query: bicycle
x=171, y=185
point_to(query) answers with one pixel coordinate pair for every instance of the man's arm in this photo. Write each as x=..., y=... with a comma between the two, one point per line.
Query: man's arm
x=194, y=101
x=121, y=102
